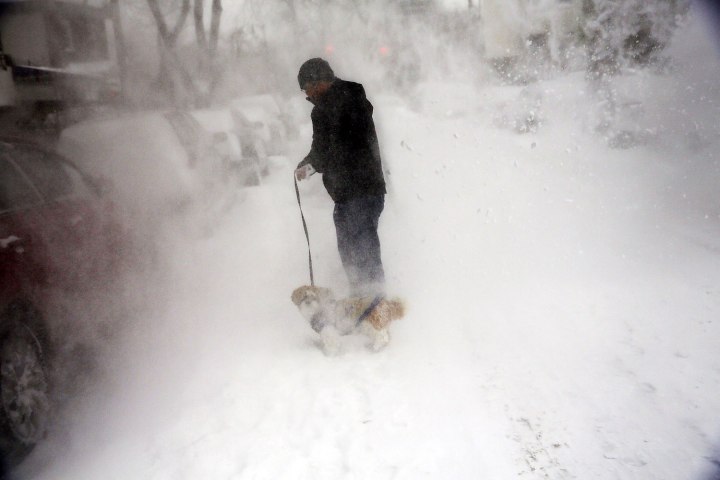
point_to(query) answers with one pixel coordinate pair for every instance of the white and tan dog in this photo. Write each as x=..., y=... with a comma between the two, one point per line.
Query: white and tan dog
x=332, y=318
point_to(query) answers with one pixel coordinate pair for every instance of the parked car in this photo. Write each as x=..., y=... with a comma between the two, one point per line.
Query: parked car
x=264, y=116
x=234, y=144
x=141, y=162
x=159, y=164
x=57, y=234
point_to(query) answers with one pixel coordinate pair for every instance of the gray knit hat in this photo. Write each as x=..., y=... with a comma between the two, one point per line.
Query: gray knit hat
x=315, y=70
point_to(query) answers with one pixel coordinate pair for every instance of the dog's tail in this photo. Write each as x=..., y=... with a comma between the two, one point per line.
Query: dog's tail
x=385, y=312
x=396, y=308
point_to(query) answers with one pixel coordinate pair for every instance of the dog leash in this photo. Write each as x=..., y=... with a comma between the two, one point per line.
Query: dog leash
x=307, y=235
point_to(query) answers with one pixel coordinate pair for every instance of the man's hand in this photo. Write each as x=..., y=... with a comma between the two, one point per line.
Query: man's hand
x=304, y=172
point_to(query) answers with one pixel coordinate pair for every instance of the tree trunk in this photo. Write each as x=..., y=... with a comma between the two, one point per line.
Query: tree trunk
x=215, y=26
x=199, y=27
x=170, y=62
x=169, y=37
x=119, y=48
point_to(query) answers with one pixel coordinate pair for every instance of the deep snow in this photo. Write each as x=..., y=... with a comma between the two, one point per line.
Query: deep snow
x=563, y=309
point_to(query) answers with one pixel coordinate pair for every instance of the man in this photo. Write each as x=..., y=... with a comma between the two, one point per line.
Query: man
x=345, y=151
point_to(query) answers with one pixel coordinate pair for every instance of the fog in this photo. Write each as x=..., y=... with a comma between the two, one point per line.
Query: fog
x=553, y=231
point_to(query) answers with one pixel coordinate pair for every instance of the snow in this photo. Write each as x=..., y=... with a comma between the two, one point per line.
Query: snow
x=563, y=310
x=148, y=168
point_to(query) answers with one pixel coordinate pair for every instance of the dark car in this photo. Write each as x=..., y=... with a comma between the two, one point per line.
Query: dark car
x=57, y=234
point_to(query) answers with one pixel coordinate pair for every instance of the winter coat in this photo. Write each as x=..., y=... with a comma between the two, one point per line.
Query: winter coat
x=345, y=146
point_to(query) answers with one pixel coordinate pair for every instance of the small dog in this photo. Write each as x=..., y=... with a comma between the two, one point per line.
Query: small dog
x=332, y=318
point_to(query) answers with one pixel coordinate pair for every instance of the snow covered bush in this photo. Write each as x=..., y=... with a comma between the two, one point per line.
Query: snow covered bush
x=628, y=32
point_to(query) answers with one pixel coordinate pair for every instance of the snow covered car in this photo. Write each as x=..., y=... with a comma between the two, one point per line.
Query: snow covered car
x=155, y=164
x=57, y=235
x=237, y=142
x=140, y=160
x=263, y=115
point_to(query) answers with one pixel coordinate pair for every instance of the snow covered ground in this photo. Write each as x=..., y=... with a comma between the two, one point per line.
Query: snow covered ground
x=563, y=322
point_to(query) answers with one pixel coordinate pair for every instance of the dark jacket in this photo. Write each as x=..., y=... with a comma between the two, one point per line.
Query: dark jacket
x=345, y=146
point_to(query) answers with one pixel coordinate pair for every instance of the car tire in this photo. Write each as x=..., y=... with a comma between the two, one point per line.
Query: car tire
x=24, y=390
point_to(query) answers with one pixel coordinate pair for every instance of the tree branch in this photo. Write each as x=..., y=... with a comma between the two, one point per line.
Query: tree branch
x=199, y=27
x=167, y=36
x=215, y=26
x=181, y=21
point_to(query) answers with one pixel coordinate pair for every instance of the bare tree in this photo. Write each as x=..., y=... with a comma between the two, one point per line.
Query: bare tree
x=198, y=13
x=204, y=69
x=208, y=46
x=170, y=64
x=215, y=25
x=121, y=48
x=169, y=37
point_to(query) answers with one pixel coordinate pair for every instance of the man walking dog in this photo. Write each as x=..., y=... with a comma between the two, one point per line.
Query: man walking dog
x=345, y=151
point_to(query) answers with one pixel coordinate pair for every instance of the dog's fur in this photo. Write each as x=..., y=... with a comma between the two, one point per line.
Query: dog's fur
x=331, y=317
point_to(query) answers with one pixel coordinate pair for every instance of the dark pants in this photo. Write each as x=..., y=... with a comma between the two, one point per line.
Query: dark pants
x=356, y=224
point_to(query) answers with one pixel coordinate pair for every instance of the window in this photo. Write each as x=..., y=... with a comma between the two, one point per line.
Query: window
x=15, y=191
x=77, y=38
x=53, y=178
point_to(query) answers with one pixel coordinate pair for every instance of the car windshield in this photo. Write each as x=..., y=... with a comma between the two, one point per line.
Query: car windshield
x=15, y=191
x=54, y=178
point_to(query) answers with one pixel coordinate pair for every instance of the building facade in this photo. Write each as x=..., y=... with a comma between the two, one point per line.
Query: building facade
x=60, y=52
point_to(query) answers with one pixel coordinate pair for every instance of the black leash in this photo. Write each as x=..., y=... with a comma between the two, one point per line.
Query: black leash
x=307, y=236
